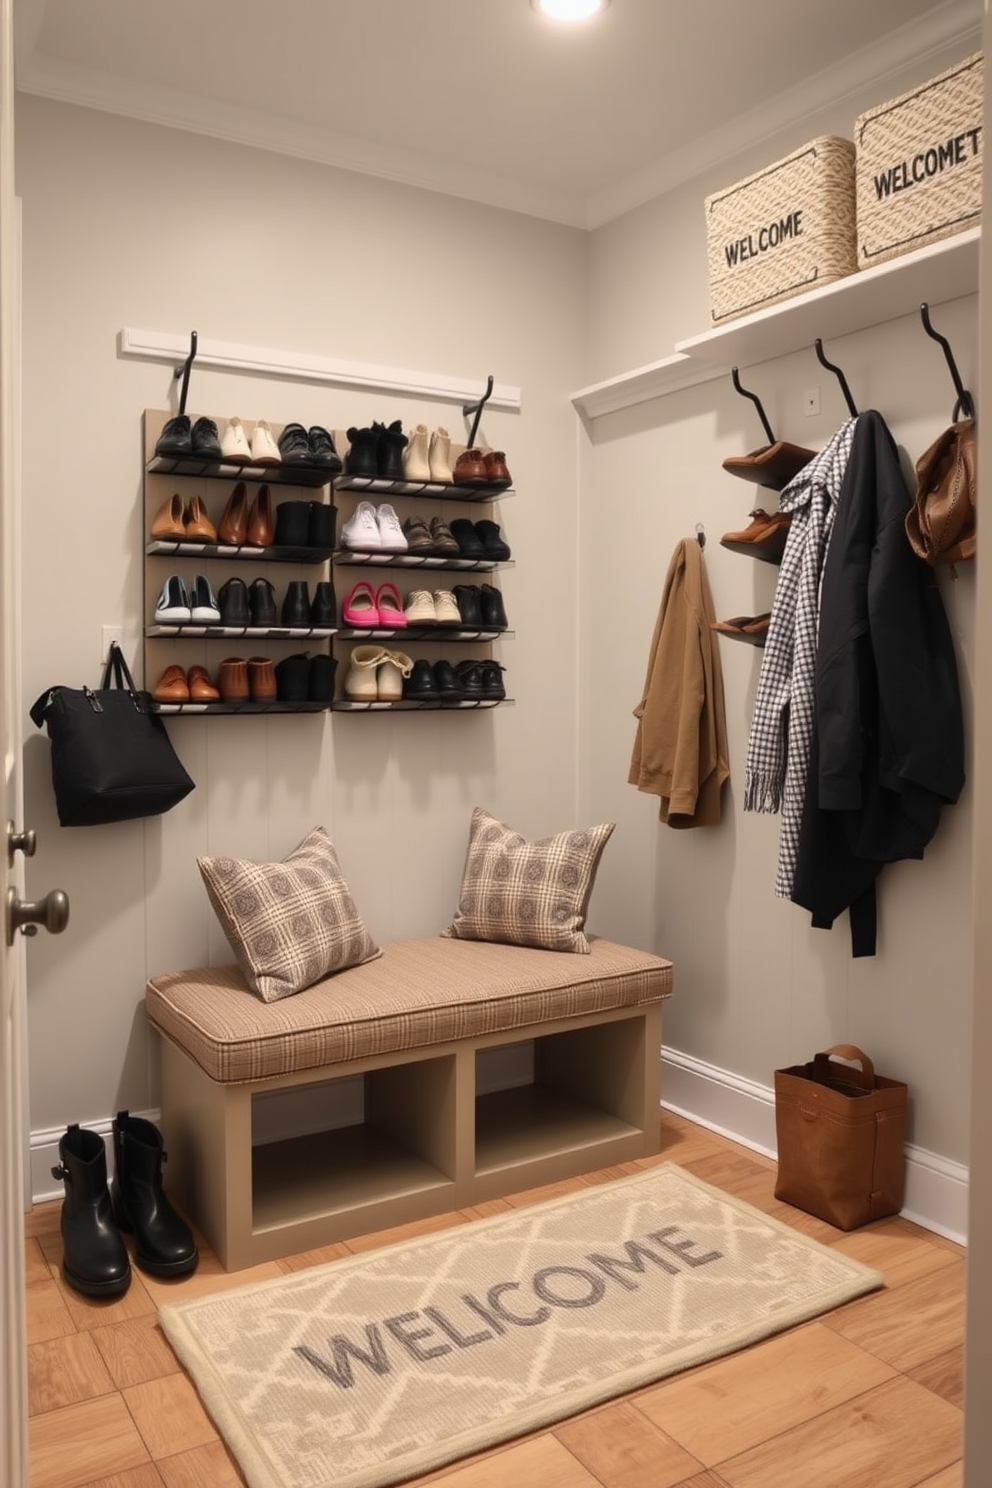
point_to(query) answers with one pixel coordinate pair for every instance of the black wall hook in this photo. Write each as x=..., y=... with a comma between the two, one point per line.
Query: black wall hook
x=477, y=408
x=757, y=403
x=184, y=371
x=965, y=401
x=851, y=405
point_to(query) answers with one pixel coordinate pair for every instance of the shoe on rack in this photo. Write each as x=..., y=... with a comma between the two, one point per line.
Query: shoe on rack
x=196, y=522
x=468, y=597
x=470, y=544
x=294, y=445
x=443, y=541
x=361, y=679
x=765, y=536
x=322, y=525
x=394, y=668
x=234, y=446
x=204, y=440
x=164, y=1244
x=296, y=603
x=261, y=530
x=470, y=466
x=171, y=687
x=233, y=597
x=497, y=475
x=416, y=456
x=418, y=535
x=232, y=680
x=419, y=608
x=323, y=606
x=493, y=612
x=264, y=450
x=293, y=678
x=361, y=531
x=447, y=682
x=203, y=606
x=420, y=685
x=172, y=606
x=262, y=603
x=201, y=689
x=176, y=438
x=322, y=451
x=773, y=465
x=94, y=1257
x=359, y=607
x=389, y=457
x=439, y=455
x=292, y=528
x=392, y=538
x=261, y=679
x=492, y=680
x=390, y=606
x=320, y=688
x=492, y=544
x=167, y=523
x=362, y=456
x=446, y=607
x=469, y=673
x=233, y=526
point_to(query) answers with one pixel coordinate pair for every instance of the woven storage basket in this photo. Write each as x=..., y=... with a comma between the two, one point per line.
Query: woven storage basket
x=783, y=230
x=919, y=164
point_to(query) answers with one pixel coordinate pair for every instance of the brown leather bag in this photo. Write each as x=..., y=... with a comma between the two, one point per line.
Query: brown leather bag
x=941, y=523
x=841, y=1137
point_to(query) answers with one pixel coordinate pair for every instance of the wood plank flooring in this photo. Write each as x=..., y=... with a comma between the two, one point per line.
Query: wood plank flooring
x=869, y=1395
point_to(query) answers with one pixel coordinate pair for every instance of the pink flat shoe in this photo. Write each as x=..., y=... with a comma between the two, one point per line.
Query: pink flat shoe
x=360, y=608
x=390, y=606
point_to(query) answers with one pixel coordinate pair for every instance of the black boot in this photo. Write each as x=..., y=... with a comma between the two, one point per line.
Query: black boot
x=164, y=1243
x=94, y=1260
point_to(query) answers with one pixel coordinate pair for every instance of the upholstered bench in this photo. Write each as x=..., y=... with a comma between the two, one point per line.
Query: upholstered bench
x=402, y=1037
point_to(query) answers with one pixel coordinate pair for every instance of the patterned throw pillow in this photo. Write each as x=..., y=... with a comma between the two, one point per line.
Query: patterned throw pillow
x=291, y=923
x=527, y=893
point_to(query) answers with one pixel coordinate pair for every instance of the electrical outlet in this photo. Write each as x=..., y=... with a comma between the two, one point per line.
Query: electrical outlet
x=108, y=634
x=811, y=402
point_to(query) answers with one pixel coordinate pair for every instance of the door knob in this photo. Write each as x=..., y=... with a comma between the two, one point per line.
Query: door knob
x=27, y=914
x=24, y=842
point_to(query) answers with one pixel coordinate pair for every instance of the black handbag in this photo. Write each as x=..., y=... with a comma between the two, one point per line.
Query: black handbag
x=112, y=759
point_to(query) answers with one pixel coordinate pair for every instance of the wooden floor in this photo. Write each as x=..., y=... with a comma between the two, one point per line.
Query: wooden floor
x=869, y=1396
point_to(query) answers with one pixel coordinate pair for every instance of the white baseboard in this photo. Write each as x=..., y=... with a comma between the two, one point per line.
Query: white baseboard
x=936, y=1193
x=936, y=1189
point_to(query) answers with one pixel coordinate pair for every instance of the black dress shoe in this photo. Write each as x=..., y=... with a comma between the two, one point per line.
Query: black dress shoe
x=493, y=613
x=492, y=680
x=176, y=437
x=293, y=678
x=492, y=543
x=420, y=684
x=323, y=608
x=204, y=439
x=322, y=451
x=469, y=601
x=469, y=542
x=292, y=524
x=470, y=678
x=296, y=603
x=447, y=682
x=262, y=601
x=321, y=684
x=322, y=526
x=294, y=446
x=233, y=600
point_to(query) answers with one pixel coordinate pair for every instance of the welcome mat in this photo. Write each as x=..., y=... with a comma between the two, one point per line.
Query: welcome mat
x=381, y=1366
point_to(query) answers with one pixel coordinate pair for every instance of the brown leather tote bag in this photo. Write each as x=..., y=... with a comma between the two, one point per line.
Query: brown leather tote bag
x=841, y=1138
x=940, y=524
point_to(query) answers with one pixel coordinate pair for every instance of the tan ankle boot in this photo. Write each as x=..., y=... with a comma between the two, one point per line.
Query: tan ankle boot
x=440, y=456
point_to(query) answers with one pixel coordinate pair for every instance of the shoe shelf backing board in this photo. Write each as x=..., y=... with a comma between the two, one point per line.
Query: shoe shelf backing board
x=204, y=491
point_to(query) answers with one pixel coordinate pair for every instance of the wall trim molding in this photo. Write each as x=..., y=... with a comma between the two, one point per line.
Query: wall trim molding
x=936, y=1188
x=301, y=366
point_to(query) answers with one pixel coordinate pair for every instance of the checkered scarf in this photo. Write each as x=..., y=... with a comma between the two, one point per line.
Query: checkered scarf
x=782, y=727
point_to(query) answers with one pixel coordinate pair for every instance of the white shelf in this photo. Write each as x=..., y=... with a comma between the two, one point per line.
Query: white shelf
x=943, y=271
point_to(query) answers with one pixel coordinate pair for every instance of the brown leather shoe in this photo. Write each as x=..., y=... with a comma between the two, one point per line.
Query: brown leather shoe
x=261, y=679
x=261, y=524
x=752, y=628
x=764, y=538
x=496, y=471
x=168, y=521
x=233, y=525
x=470, y=466
x=232, y=679
x=774, y=465
x=201, y=689
x=196, y=520
x=171, y=686
x=443, y=540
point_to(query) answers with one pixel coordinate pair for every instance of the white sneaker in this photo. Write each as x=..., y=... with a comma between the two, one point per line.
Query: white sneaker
x=264, y=450
x=361, y=530
x=446, y=608
x=392, y=538
x=419, y=608
x=234, y=445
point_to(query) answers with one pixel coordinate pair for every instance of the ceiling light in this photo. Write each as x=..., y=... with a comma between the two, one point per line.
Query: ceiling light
x=570, y=10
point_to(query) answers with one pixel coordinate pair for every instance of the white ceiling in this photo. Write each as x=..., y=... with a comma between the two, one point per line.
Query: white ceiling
x=484, y=99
